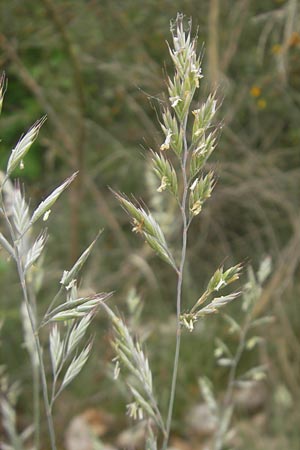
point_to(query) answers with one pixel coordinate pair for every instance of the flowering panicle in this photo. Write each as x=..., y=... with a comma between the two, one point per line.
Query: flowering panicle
x=203, y=306
x=189, y=140
x=69, y=321
x=131, y=362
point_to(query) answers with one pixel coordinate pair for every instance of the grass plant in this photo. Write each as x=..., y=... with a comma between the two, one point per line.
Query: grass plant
x=68, y=315
x=190, y=136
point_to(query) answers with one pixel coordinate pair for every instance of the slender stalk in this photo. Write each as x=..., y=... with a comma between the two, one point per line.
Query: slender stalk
x=36, y=381
x=53, y=302
x=179, y=288
x=36, y=405
x=38, y=349
x=35, y=369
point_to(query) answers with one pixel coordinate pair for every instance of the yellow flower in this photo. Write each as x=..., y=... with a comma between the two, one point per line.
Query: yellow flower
x=294, y=39
x=255, y=91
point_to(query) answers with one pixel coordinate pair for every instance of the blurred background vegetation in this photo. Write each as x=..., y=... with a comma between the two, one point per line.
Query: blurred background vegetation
x=97, y=68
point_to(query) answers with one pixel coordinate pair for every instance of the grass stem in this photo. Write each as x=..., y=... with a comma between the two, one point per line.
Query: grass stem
x=179, y=287
x=38, y=349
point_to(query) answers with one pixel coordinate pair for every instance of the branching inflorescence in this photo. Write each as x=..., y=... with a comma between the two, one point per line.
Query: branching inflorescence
x=68, y=322
x=190, y=138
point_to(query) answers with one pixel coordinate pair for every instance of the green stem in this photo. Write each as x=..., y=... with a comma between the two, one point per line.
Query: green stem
x=35, y=368
x=179, y=289
x=38, y=349
x=36, y=404
x=35, y=379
